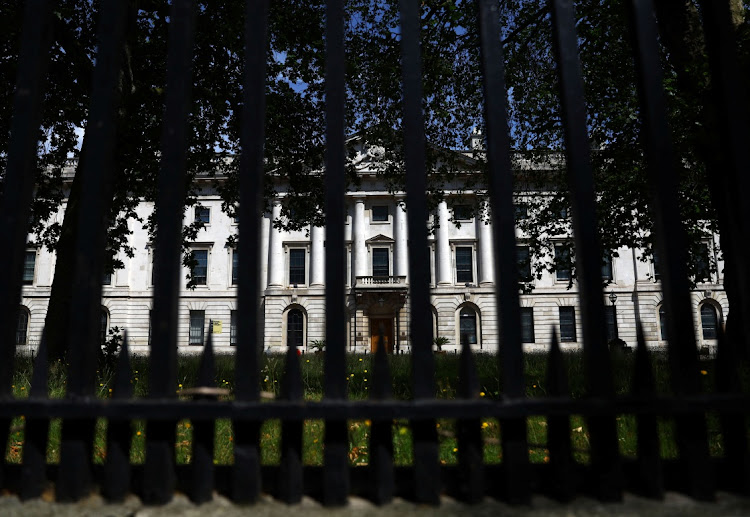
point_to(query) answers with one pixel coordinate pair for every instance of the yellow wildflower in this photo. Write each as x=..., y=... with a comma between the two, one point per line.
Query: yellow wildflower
x=481, y=394
x=455, y=449
x=360, y=359
x=704, y=372
x=485, y=425
x=138, y=433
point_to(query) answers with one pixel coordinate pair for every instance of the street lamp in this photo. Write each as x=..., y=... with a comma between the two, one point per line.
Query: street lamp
x=613, y=300
x=612, y=297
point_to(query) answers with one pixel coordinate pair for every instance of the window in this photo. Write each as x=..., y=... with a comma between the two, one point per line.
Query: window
x=702, y=267
x=524, y=263
x=22, y=327
x=527, y=324
x=562, y=262
x=663, y=323
x=29, y=262
x=295, y=326
x=202, y=214
x=461, y=213
x=564, y=213
x=521, y=211
x=150, y=325
x=296, y=266
x=464, y=267
x=199, y=273
x=610, y=317
x=233, y=328
x=380, y=214
x=709, y=321
x=197, y=324
x=468, y=326
x=380, y=266
x=656, y=261
x=567, y=324
x=607, y=267
x=104, y=325
x=235, y=266
x=107, y=279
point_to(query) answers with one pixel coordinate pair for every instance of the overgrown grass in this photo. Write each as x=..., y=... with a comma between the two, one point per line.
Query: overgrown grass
x=359, y=378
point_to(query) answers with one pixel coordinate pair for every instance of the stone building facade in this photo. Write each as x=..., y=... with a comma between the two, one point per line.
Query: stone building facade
x=293, y=282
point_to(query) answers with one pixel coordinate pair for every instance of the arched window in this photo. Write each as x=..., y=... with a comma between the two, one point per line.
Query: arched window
x=23, y=326
x=468, y=326
x=709, y=321
x=295, y=326
x=104, y=325
x=662, y=323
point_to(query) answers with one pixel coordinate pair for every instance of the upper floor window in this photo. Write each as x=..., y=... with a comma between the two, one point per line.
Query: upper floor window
x=521, y=211
x=202, y=214
x=199, y=272
x=657, y=265
x=104, y=325
x=235, y=266
x=527, y=324
x=107, y=279
x=564, y=213
x=567, y=324
x=464, y=264
x=380, y=262
x=702, y=264
x=29, y=263
x=709, y=321
x=296, y=266
x=461, y=212
x=524, y=263
x=379, y=213
x=607, y=267
x=562, y=262
x=197, y=325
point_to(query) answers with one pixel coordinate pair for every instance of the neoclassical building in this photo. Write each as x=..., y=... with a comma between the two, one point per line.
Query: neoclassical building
x=293, y=281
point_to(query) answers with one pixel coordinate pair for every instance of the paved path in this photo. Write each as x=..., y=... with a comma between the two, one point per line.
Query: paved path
x=675, y=505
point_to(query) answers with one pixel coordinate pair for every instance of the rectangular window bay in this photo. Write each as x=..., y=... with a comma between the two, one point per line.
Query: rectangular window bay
x=567, y=324
x=464, y=265
x=197, y=325
x=296, y=266
x=380, y=262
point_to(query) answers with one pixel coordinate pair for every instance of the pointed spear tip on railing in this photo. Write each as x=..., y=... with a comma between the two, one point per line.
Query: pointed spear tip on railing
x=39, y=376
x=206, y=370
x=123, y=388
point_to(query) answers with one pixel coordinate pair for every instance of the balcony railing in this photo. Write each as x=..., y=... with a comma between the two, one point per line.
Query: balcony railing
x=381, y=281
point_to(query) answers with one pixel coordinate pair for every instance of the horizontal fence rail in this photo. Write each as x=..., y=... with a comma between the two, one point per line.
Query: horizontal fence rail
x=607, y=475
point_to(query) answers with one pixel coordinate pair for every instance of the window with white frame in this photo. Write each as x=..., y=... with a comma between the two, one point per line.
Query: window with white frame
x=379, y=214
x=233, y=328
x=527, y=325
x=702, y=263
x=607, y=275
x=462, y=213
x=709, y=321
x=381, y=262
x=464, y=264
x=297, y=269
x=235, y=266
x=567, y=324
x=29, y=265
x=467, y=324
x=202, y=214
x=199, y=270
x=563, y=264
x=197, y=327
x=295, y=328
x=104, y=325
x=523, y=256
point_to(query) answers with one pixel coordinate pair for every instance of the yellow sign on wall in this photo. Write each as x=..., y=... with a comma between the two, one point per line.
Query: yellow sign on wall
x=217, y=327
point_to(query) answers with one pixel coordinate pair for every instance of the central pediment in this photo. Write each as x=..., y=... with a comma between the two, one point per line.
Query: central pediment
x=381, y=239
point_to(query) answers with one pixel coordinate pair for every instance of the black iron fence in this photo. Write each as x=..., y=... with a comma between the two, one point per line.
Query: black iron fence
x=606, y=476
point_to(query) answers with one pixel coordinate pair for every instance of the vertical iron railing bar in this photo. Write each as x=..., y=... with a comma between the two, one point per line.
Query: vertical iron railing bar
x=734, y=180
x=562, y=484
x=426, y=469
x=75, y=475
x=291, y=472
x=469, y=433
x=335, y=472
x=36, y=432
x=604, y=446
x=692, y=439
x=119, y=433
x=382, y=478
x=204, y=431
x=19, y=177
x=246, y=481
x=159, y=474
x=510, y=354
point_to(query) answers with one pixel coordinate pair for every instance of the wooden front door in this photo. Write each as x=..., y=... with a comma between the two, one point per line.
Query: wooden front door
x=387, y=326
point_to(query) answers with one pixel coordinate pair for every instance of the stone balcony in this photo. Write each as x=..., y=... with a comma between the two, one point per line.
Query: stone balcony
x=381, y=282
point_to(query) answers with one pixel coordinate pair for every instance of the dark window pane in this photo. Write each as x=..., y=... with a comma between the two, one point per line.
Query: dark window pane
x=294, y=328
x=521, y=211
x=464, y=267
x=461, y=212
x=656, y=260
x=380, y=264
x=28, y=267
x=702, y=269
x=663, y=323
x=562, y=262
x=202, y=215
x=610, y=317
x=233, y=328
x=380, y=213
x=235, y=268
x=150, y=325
x=104, y=326
x=567, y=324
x=296, y=266
x=527, y=324
x=607, y=267
x=200, y=267
x=107, y=279
x=524, y=263
x=23, y=327
x=708, y=321
x=468, y=326
x=197, y=324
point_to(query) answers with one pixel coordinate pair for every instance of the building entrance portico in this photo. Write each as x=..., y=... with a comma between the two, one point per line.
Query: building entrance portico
x=381, y=327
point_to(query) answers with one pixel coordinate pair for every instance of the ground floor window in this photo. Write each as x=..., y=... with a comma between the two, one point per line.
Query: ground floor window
x=295, y=326
x=611, y=318
x=22, y=329
x=567, y=324
x=197, y=324
x=662, y=323
x=233, y=328
x=709, y=321
x=468, y=326
x=527, y=324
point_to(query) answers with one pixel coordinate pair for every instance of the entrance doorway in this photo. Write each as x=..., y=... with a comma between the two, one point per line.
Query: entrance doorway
x=387, y=329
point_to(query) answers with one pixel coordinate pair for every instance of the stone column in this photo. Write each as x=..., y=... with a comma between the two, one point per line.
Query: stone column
x=444, y=275
x=400, y=260
x=359, y=249
x=275, y=250
x=486, y=255
x=317, y=256
x=265, y=225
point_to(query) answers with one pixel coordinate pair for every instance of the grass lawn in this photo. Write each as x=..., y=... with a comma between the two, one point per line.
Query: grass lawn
x=358, y=379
